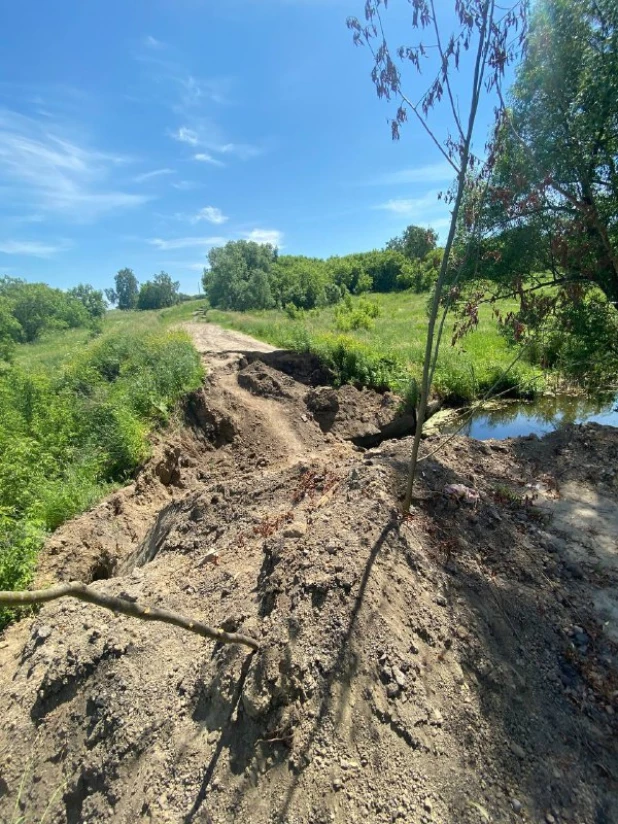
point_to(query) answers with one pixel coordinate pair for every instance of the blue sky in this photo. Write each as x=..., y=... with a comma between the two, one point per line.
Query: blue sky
x=141, y=133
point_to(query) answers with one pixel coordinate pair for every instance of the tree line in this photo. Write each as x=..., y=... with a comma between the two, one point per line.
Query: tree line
x=244, y=275
x=29, y=309
x=158, y=293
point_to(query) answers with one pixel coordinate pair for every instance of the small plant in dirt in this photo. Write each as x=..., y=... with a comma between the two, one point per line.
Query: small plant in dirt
x=313, y=483
x=525, y=501
x=268, y=526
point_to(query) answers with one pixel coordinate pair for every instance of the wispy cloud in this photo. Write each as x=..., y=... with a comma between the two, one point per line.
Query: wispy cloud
x=195, y=91
x=203, y=157
x=205, y=135
x=179, y=88
x=44, y=169
x=32, y=248
x=430, y=173
x=413, y=207
x=151, y=175
x=272, y=236
x=185, y=185
x=244, y=151
x=211, y=214
x=425, y=210
x=152, y=43
x=194, y=101
x=185, y=242
x=186, y=135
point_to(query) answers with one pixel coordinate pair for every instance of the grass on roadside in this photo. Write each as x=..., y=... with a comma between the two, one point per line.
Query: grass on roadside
x=389, y=350
x=75, y=415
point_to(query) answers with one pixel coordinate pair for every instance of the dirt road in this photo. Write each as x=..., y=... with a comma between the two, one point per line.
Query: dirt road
x=455, y=667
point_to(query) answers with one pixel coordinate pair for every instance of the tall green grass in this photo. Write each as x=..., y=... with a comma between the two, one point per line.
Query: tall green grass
x=75, y=415
x=389, y=350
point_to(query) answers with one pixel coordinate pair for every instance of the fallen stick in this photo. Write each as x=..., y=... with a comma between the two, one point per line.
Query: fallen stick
x=84, y=593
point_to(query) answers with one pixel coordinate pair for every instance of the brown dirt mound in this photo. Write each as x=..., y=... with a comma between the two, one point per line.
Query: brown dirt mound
x=360, y=415
x=451, y=667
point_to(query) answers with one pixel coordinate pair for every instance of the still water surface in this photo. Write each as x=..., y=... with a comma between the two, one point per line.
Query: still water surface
x=540, y=416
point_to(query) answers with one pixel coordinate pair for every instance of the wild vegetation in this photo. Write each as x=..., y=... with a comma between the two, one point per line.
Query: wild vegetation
x=75, y=421
x=377, y=340
x=244, y=275
x=158, y=293
x=27, y=310
x=545, y=211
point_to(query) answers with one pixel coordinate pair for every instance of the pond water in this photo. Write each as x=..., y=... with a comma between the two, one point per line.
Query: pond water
x=538, y=417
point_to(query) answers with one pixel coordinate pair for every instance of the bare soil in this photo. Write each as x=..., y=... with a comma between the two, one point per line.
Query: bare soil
x=459, y=665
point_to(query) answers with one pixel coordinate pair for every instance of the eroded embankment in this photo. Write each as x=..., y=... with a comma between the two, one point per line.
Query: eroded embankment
x=453, y=666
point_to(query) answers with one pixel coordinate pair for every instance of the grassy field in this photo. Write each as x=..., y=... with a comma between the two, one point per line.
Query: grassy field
x=396, y=338
x=55, y=349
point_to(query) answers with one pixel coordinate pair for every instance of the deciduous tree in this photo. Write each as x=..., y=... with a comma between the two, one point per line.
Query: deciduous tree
x=415, y=242
x=554, y=188
x=487, y=37
x=126, y=290
x=158, y=293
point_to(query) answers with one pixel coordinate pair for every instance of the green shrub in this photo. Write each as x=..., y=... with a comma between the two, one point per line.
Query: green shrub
x=20, y=541
x=349, y=316
x=354, y=362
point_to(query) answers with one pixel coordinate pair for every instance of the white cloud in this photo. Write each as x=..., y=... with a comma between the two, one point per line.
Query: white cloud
x=186, y=242
x=185, y=185
x=194, y=91
x=41, y=168
x=186, y=135
x=152, y=42
x=31, y=248
x=205, y=135
x=272, y=236
x=210, y=213
x=150, y=175
x=203, y=157
x=414, y=207
x=426, y=210
x=244, y=151
x=430, y=173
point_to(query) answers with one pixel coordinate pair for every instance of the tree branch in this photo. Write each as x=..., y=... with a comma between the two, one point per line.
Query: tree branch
x=429, y=131
x=445, y=72
x=78, y=590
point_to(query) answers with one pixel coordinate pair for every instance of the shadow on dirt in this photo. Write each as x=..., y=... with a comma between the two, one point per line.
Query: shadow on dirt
x=229, y=736
x=550, y=731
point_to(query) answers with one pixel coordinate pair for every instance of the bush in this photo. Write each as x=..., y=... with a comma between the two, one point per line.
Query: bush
x=293, y=312
x=20, y=541
x=349, y=317
x=581, y=340
x=420, y=275
x=356, y=363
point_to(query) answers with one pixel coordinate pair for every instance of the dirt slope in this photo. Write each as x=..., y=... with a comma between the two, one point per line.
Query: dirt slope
x=457, y=666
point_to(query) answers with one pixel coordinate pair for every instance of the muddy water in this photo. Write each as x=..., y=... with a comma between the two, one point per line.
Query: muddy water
x=538, y=417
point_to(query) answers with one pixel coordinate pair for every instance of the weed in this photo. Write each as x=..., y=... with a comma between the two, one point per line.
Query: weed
x=268, y=526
